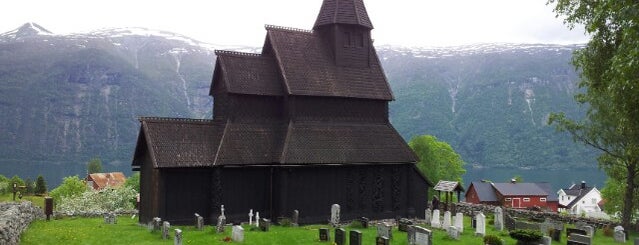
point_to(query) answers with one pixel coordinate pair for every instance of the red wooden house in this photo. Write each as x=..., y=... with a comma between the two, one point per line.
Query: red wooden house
x=513, y=195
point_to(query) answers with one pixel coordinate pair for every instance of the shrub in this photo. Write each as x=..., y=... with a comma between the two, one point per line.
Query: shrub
x=71, y=186
x=526, y=235
x=107, y=200
x=607, y=231
x=492, y=240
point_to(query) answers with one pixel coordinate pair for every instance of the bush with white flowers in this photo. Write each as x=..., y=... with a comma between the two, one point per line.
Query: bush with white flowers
x=99, y=201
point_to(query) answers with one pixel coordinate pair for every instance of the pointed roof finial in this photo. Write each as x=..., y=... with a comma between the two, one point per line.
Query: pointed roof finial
x=351, y=12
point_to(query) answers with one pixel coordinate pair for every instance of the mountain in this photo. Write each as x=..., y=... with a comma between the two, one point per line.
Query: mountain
x=67, y=98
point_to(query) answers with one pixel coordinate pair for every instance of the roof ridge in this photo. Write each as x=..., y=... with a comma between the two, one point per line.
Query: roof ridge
x=285, y=28
x=231, y=52
x=173, y=119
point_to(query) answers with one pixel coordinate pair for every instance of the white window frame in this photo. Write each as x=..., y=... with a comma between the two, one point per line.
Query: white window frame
x=543, y=199
x=526, y=199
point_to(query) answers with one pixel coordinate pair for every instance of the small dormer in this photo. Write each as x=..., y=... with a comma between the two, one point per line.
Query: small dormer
x=346, y=28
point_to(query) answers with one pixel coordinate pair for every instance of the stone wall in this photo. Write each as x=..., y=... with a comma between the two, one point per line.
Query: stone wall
x=15, y=217
x=469, y=208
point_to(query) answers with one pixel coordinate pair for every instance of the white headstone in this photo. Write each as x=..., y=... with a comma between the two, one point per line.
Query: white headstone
x=620, y=236
x=453, y=232
x=427, y=216
x=422, y=236
x=499, y=219
x=618, y=228
x=166, y=226
x=335, y=214
x=178, y=237
x=251, y=217
x=480, y=229
x=435, y=222
x=459, y=222
x=447, y=221
x=238, y=234
x=257, y=219
x=384, y=230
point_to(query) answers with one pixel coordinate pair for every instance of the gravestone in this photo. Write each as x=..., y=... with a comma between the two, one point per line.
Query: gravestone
x=545, y=240
x=620, y=236
x=499, y=219
x=411, y=234
x=578, y=239
x=618, y=228
x=221, y=222
x=453, y=232
x=199, y=222
x=570, y=231
x=435, y=222
x=556, y=235
x=384, y=229
x=636, y=241
x=364, y=221
x=404, y=224
x=590, y=231
x=295, y=217
x=458, y=221
x=382, y=240
x=257, y=219
x=324, y=235
x=166, y=226
x=340, y=236
x=547, y=226
x=156, y=223
x=177, y=239
x=580, y=225
x=473, y=220
x=355, y=238
x=335, y=215
x=447, y=222
x=509, y=222
x=481, y=224
x=265, y=224
x=110, y=218
x=423, y=236
x=427, y=216
x=238, y=233
x=250, y=214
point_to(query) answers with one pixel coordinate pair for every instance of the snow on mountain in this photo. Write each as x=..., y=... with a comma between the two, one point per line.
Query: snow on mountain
x=475, y=49
x=25, y=31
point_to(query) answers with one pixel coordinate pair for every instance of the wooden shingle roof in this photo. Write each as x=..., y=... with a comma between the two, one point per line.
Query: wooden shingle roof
x=308, y=68
x=352, y=12
x=246, y=73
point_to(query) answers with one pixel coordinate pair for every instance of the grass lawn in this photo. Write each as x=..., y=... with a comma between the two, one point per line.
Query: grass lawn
x=36, y=200
x=127, y=231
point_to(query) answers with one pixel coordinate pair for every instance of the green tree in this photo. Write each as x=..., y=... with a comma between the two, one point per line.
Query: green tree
x=133, y=182
x=41, y=186
x=71, y=186
x=437, y=159
x=29, y=186
x=94, y=166
x=609, y=65
x=4, y=185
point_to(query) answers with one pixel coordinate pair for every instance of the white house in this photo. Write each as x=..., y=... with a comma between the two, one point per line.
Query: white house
x=580, y=200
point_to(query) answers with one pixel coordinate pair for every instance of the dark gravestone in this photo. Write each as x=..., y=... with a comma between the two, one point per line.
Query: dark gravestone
x=555, y=235
x=382, y=240
x=265, y=224
x=364, y=221
x=473, y=222
x=48, y=207
x=509, y=222
x=340, y=236
x=324, y=235
x=355, y=238
x=575, y=231
x=403, y=224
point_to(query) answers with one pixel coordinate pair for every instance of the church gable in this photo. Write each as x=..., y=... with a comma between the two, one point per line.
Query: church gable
x=245, y=73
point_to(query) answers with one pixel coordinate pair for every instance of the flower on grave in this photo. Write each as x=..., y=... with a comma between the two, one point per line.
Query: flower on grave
x=226, y=239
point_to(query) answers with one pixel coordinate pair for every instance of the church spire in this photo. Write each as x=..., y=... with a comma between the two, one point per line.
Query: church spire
x=350, y=12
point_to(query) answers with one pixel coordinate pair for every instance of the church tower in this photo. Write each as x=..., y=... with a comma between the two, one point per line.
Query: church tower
x=344, y=25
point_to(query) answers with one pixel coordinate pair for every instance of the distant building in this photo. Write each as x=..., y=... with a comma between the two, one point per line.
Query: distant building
x=580, y=199
x=99, y=181
x=513, y=195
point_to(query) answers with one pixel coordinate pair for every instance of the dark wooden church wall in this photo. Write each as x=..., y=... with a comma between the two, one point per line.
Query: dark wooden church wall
x=245, y=188
x=340, y=109
x=353, y=45
x=149, y=184
x=186, y=192
x=253, y=108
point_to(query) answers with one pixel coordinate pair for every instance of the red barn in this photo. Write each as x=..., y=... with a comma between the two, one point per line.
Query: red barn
x=513, y=195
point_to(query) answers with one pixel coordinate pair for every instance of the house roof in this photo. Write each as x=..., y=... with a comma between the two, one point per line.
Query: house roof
x=247, y=73
x=578, y=192
x=351, y=12
x=484, y=190
x=175, y=143
x=448, y=186
x=103, y=180
x=519, y=189
x=552, y=196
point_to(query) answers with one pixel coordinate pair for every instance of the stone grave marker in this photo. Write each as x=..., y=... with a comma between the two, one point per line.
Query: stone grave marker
x=423, y=236
x=340, y=236
x=547, y=226
x=364, y=221
x=447, y=222
x=618, y=228
x=636, y=241
x=221, y=222
x=166, y=226
x=545, y=240
x=295, y=217
x=570, y=231
x=404, y=224
x=411, y=234
x=250, y=214
x=435, y=222
x=265, y=224
x=382, y=240
x=509, y=222
x=580, y=225
x=590, y=231
x=499, y=219
x=556, y=235
x=335, y=215
x=453, y=232
x=481, y=224
x=177, y=239
x=578, y=239
x=458, y=221
x=156, y=223
x=384, y=229
x=427, y=216
x=238, y=233
x=620, y=236
x=199, y=222
x=257, y=219
x=355, y=238
x=324, y=235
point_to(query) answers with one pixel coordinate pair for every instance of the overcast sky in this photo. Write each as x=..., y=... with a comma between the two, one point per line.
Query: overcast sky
x=241, y=22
